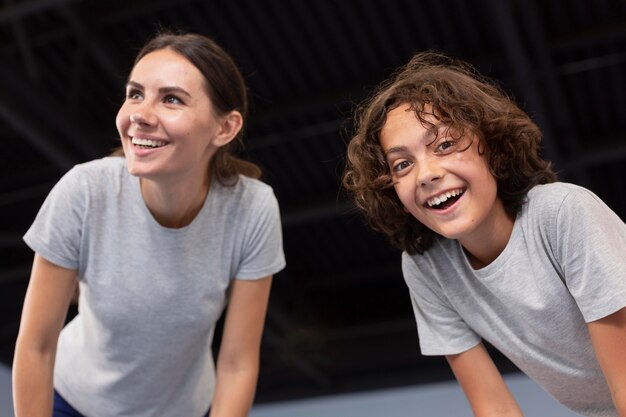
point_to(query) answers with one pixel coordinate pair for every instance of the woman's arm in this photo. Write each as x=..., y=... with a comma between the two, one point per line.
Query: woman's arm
x=45, y=308
x=609, y=341
x=482, y=383
x=238, y=358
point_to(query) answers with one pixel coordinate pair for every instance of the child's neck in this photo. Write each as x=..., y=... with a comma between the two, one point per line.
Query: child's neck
x=483, y=248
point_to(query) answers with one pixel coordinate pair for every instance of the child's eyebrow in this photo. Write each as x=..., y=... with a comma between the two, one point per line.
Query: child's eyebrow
x=394, y=149
x=428, y=135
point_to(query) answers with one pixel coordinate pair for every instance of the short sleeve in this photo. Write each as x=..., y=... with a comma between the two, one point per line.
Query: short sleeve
x=591, y=247
x=441, y=329
x=56, y=232
x=263, y=247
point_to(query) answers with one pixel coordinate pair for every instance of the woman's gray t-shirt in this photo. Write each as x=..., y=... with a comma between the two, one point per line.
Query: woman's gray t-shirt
x=149, y=295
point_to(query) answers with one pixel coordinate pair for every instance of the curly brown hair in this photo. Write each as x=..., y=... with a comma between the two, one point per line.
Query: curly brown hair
x=433, y=83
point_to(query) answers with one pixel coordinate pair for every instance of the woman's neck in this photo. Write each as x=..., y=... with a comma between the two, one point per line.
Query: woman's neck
x=175, y=205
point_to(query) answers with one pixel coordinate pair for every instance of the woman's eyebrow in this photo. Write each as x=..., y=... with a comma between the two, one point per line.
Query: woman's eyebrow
x=162, y=90
x=173, y=89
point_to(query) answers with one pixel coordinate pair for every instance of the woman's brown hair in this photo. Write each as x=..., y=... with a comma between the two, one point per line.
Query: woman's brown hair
x=462, y=100
x=226, y=88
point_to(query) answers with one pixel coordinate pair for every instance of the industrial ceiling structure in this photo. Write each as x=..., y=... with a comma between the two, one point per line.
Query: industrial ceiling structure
x=340, y=317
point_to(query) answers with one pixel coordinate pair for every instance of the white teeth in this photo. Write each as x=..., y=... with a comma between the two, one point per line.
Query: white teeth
x=435, y=201
x=148, y=142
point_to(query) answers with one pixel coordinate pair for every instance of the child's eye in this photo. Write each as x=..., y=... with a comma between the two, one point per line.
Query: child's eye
x=172, y=100
x=400, y=166
x=445, y=146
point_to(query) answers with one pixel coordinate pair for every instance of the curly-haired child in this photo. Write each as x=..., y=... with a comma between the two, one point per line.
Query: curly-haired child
x=446, y=165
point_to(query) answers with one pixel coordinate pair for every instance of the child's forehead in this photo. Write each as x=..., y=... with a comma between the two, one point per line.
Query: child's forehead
x=408, y=115
x=406, y=126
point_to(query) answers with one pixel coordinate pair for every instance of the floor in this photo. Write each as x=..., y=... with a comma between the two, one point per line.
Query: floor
x=433, y=400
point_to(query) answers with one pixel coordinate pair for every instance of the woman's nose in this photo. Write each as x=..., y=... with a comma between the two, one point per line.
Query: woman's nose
x=142, y=117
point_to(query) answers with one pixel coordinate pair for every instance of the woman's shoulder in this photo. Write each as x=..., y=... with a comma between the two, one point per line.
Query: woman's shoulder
x=109, y=165
x=101, y=170
x=90, y=173
x=247, y=188
x=105, y=175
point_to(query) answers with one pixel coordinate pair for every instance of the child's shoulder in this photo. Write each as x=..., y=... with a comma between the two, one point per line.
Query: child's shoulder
x=564, y=204
x=557, y=189
x=554, y=195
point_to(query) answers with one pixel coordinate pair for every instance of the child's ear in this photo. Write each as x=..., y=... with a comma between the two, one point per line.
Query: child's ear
x=480, y=146
x=229, y=127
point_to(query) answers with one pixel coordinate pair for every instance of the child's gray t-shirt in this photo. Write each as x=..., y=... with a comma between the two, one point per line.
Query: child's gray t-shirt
x=149, y=295
x=564, y=266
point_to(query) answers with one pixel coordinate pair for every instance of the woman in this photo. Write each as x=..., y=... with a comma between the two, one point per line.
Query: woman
x=160, y=241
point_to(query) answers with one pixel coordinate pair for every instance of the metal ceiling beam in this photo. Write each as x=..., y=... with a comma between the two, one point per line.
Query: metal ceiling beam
x=104, y=60
x=24, y=45
x=38, y=191
x=20, y=273
x=11, y=241
x=131, y=10
x=519, y=63
x=324, y=210
x=590, y=38
x=25, y=8
x=279, y=333
x=27, y=127
x=552, y=87
x=42, y=111
x=311, y=130
x=603, y=156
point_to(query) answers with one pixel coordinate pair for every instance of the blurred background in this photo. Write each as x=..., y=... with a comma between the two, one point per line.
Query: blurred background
x=340, y=318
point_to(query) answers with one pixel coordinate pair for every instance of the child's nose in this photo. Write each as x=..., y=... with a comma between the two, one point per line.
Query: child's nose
x=429, y=171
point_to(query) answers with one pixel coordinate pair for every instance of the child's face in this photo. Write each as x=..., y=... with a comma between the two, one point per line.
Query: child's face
x=452, y=193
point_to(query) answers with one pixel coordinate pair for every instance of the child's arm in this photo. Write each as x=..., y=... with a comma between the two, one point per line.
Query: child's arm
x=482, y=383
x=609, y=341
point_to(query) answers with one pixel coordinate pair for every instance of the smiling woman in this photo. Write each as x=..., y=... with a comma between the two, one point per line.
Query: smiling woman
x=178, y=223
x=167, y=124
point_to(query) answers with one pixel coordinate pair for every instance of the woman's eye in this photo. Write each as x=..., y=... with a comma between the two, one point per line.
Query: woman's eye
x=172, y=100
x=134, y=95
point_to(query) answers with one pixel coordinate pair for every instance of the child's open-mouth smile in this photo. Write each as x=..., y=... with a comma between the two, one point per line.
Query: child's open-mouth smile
x=444, y=200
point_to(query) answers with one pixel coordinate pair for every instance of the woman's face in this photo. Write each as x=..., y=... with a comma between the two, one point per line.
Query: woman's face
x=167, y=124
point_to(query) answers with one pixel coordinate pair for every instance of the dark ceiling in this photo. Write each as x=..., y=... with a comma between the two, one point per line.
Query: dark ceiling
x=339, y=317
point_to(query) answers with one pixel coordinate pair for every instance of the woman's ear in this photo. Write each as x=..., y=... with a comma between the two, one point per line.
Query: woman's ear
x=230, y=125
